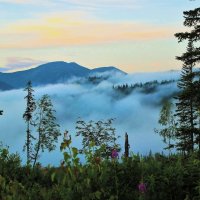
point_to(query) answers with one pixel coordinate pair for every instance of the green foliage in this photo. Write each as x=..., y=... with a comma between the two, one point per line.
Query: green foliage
x=94, y=134
x=172, y=177
x=31, y=105
x=9, y=163
x=41, y=118
x=188, y=132
x=148, y=87
x=167, y=121
x=46, y=126
x=192, y=20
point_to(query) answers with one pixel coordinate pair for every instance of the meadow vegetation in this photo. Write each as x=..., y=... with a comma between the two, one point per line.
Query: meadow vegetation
x=152, y=177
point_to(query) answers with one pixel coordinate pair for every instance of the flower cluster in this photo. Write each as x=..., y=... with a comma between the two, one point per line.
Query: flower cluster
x=114, y=153
x=142, y=187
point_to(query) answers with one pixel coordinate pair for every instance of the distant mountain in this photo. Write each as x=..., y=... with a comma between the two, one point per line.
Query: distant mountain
x=49, y=73
x=5, y=86
x=105, y=69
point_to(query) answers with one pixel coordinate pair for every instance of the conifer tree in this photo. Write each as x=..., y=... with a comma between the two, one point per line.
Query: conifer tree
x=197, y=135
x=186, y=104
x=187, y=99
x=30, y=108
x=192, y=20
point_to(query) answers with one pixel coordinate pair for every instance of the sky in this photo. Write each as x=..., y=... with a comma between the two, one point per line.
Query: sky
x=133, y=35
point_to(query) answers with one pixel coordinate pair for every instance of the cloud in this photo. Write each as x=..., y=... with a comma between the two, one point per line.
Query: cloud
x=15, y=1
x=77, y=2
x=26, y=2
x=17, y=63
x=149, y=76
x=76, y=28
x=103, y=3
x=136, y=113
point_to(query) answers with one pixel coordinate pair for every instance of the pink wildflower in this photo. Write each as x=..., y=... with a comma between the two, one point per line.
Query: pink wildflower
x=142, y=187
x=114, y=153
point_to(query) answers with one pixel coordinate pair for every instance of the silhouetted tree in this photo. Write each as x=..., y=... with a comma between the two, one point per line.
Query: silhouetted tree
x=126, y=146
x=186, y=104
x=197, y=135
x=30, y=108
x=187, y=99
x=192, y=20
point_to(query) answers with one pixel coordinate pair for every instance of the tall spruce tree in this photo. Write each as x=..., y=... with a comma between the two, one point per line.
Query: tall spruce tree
x=197, y=86
x=187, y=99
x=30, y=108
x=186, y=104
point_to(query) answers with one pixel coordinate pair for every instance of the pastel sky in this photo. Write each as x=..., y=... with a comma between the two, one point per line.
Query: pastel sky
x=133, y=35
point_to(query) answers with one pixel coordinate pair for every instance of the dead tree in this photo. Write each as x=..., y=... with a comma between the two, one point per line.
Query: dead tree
x=127, y=146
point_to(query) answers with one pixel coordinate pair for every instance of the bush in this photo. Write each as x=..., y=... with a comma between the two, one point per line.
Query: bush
x=160, y=177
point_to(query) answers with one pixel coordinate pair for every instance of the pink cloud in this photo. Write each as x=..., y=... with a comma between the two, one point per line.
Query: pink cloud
x=18, y=63
x=77, y=29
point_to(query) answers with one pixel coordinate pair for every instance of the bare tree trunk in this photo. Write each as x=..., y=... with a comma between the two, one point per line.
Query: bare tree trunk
x=37, y=152
x=126, y=154
x=192, y=127
x=28, y=143
x=39, y=140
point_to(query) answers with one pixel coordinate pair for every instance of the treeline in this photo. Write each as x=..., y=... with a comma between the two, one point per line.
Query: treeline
x=147, y=87
x=96, y=79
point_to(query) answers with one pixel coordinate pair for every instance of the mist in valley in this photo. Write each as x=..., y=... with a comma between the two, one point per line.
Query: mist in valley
x=136, y=113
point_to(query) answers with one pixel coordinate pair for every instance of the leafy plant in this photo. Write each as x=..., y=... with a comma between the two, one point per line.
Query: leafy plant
x=46, y=126
x=97, y=133
x=167, y=121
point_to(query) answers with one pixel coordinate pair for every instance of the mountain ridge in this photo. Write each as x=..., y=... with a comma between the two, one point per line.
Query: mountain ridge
x=49, y=73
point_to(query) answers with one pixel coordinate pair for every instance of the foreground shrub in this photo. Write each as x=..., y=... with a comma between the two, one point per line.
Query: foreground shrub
x=153, y=177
